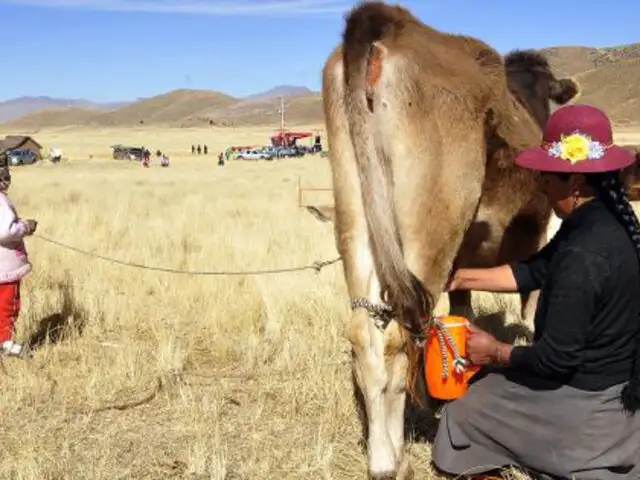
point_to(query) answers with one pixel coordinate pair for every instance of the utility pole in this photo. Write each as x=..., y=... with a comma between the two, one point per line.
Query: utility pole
x=282, y=115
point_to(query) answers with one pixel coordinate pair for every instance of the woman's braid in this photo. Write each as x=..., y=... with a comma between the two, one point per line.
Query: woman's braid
x=617, y=200
x=613, y=194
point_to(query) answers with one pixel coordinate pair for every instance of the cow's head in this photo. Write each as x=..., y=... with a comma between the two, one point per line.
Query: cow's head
x=531, y=79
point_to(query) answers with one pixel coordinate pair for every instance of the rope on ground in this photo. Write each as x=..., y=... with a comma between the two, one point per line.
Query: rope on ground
x=317, y=266
x=296, y=373
x=145, y=397
x=152, y=392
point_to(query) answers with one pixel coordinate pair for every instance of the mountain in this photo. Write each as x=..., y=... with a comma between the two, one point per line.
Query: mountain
x=608, y=78
x=169, y=108
x=614, y=88
x=301, y=109
x=18, y=107
x=287, y=91
x=572, y=60
x=185, y=108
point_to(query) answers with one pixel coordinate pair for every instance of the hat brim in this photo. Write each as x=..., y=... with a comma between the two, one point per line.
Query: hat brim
x=537, y=158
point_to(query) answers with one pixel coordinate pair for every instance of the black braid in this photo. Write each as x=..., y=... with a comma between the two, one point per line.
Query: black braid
x=613, y=194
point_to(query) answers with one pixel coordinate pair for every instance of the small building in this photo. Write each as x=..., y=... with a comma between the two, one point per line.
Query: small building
x=21, y=142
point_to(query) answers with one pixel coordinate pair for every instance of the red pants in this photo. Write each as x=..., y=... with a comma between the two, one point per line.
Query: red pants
x=9, y=309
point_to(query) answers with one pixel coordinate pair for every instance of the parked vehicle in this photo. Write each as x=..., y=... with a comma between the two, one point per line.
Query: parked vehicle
x=122, y=152
x=21, y=157
x=286, y=152
x=255, y=155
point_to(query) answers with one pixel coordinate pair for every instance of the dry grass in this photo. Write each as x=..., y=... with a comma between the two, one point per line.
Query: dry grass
x=152, y=375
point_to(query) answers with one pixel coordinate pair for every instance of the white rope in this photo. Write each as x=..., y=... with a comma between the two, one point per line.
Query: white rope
x=459, y=362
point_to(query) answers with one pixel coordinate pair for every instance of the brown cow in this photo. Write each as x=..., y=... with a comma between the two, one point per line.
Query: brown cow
x=532, y=82
x=422, y=130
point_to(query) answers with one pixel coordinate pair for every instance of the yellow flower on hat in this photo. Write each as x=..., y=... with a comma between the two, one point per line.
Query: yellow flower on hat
x=575, y=148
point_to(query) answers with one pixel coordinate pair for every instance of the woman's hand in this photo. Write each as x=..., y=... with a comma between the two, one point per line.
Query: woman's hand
x=496, y=279
x=482, y=347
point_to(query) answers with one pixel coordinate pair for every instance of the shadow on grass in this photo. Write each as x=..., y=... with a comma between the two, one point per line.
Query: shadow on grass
x=61, y=325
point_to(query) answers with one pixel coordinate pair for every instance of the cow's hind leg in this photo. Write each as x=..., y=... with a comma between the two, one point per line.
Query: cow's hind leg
x=352, y=240
x=370, y=367
x=396, y=363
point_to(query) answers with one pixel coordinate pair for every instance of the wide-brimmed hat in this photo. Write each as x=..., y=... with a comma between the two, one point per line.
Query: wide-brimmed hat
x=577, y=138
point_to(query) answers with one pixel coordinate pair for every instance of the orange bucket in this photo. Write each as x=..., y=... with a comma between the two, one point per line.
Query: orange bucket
x=447, y=374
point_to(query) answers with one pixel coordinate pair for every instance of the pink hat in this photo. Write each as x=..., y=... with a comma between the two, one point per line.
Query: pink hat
x=577, y=138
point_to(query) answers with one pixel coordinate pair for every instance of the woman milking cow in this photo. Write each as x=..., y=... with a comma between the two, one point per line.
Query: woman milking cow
x=565, y=406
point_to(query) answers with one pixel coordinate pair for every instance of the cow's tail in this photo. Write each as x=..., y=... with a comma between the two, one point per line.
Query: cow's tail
x=363, y=57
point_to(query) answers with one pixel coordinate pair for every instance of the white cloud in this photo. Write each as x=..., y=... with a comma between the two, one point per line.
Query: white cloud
x=201, y=7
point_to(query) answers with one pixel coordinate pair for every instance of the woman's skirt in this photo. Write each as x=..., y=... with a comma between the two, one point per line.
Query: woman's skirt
x=560, y=431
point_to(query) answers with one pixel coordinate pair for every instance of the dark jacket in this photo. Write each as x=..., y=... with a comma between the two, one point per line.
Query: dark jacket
x=588, y=314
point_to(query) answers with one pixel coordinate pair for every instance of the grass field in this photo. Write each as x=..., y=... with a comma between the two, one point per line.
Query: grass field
x=150, y=375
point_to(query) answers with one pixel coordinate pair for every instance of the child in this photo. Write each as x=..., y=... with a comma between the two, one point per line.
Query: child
x=14, y=263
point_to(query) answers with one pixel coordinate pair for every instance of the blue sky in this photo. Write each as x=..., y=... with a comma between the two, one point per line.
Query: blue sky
x=111, y=50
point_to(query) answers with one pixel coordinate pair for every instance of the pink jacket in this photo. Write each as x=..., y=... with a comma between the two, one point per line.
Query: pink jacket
x=14, y=263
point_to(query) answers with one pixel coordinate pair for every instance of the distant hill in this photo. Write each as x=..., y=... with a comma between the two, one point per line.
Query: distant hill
x=615, y=88
x=18, y=107
x=169, y=108
x=298, y=109
x=286, y=91
x=57, y=117
x=608, y=78
x=188, y=108
x=570, y=61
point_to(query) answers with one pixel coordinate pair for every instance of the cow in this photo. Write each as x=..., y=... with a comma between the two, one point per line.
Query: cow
x=423, y=129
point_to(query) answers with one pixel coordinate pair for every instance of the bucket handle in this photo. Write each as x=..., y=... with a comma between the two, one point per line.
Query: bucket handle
x=460, y=364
